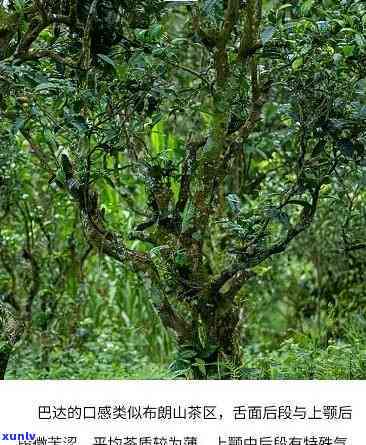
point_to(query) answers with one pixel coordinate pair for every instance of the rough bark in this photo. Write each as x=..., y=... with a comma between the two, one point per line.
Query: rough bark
x=4, y=359
x=10, y=332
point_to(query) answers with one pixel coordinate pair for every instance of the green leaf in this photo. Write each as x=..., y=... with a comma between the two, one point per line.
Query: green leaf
x=108, y=180
x=159, y=52
x=307, y=5
x=46, y=86
x=360, y=40
x=181, y=259
x=287, y=5
x=107, y=60
x=180, y=41
x=201, y=366
x=297, y=63
x=348, y=50
x=156, y=31
x=156, y=119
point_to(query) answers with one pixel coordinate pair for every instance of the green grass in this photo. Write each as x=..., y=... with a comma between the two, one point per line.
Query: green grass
x=304, y=360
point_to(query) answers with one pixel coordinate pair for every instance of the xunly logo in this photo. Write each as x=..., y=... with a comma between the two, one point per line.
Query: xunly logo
x=18, y=436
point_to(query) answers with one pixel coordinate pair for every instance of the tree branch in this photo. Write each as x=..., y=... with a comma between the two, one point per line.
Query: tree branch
x=94, y=227
x=187, y=173
x=230, y=19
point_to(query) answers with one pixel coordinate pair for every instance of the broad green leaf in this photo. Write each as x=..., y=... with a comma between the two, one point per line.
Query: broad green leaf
x=46, y=86
x=348, y=50
x=107, y=60
x=297, y=63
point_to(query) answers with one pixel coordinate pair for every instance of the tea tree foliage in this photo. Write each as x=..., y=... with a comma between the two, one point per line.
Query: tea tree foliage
x=190, y=147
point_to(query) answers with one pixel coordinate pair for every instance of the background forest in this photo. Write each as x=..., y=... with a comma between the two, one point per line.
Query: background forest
x=182, y=189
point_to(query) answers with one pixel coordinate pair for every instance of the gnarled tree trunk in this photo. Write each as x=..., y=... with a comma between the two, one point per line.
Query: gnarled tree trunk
x=5, y=353
x=10, y=332
x=210, y=344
